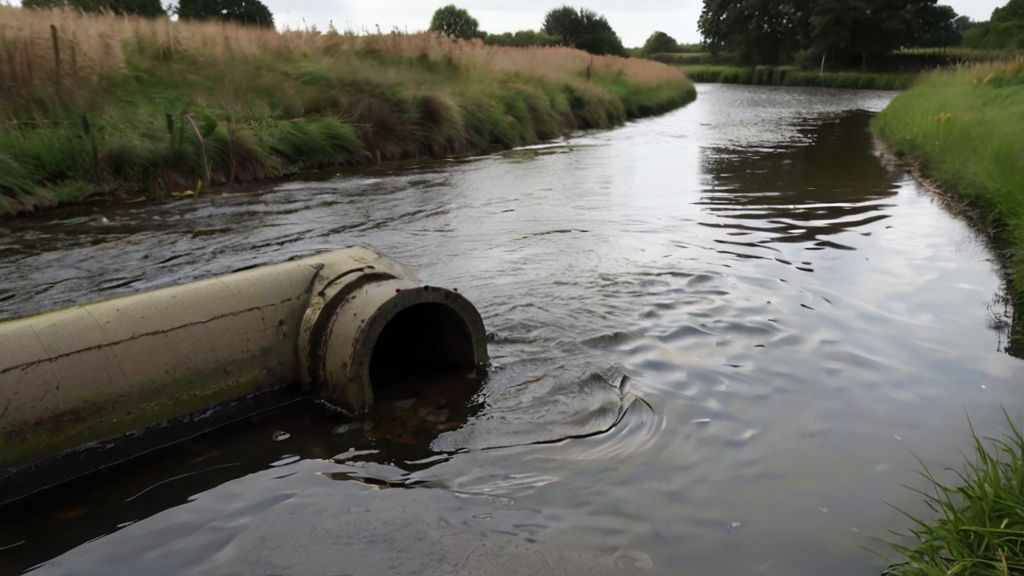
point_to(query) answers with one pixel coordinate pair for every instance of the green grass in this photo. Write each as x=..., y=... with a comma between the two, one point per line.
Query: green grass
x=979, y=529
x=966, y=129
x=646, y=100
x=794, y=76
x=925, y=58
x=116, y=116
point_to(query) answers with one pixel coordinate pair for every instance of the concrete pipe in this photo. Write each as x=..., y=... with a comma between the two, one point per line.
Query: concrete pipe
x=341, y=322
x=366, y=324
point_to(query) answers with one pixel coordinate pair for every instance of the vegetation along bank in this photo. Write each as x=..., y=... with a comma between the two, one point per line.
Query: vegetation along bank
x=874, y=44
x=794, y=76
x=978, y=529
x=128, y=106
x=966, y=130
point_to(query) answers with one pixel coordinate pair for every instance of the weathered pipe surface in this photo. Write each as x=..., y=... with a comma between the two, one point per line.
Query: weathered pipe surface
x=340, y=322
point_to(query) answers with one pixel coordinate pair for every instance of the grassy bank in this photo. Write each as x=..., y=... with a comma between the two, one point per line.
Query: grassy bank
x=121, y=106
x=966, y=129
x=793, y=76
x=979, y=529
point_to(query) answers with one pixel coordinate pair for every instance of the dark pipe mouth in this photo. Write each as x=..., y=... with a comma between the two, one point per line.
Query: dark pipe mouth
x=422, y=341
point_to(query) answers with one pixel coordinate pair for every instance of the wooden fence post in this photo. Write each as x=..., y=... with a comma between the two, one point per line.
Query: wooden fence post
x=56, y=57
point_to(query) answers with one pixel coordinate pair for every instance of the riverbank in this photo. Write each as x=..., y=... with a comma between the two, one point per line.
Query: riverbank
x=979, y=528
x=966, y=130
x=794, y=76
x=125, y=107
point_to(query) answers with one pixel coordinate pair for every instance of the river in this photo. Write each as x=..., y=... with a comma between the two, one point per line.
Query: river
x=720, y=340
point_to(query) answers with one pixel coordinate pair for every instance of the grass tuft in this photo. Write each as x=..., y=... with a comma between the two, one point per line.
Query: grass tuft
x=317, y=143
x=15, y=181
x=980, y=525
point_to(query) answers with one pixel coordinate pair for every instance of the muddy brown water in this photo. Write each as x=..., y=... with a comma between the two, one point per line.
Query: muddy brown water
x=720, y=337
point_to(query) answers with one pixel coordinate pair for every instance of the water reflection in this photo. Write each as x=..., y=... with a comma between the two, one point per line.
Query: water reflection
x=824, y=183
x=382, y=449
x=667, y=262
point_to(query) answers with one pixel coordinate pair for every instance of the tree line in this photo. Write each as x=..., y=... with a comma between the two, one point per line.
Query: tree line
x=565, y=26
x=251, y=12
x=1004, y=30
x=846, y=33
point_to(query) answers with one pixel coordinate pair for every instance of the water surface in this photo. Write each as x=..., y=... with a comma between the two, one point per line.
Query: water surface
x=719, y=339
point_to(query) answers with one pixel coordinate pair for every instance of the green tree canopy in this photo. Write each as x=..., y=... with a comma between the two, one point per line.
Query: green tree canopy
x=1012, y=12
x=148, y=8
x=583, y=29
x=1005, y=30
x=251, y=12
x=934, y=26
x=848, y=32
x=521, y=38
x=757, y=31
x=455, y=22
x=964, y=23
x=659, y=43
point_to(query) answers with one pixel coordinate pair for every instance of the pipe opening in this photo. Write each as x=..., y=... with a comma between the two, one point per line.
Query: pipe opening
x=423, y=340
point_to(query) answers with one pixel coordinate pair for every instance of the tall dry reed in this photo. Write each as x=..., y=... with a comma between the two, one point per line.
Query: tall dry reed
x=89, y=45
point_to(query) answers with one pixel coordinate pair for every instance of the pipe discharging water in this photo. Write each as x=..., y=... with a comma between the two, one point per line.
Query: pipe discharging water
x=346, y=324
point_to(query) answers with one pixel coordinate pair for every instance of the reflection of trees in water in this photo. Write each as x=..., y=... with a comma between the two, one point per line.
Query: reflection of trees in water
x=1008, y=323
x=380, y=448
x=829, y=183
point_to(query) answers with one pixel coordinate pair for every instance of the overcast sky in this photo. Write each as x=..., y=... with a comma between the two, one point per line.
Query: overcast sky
x=634, y=20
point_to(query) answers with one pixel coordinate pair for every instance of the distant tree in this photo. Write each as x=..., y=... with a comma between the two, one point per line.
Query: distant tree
x=756, y=31
x=455, y=22
x=520, y=39
x=964, y=23
x=976, y=35
x=1004, y=30
x=659, y=43
x=251, y=12
x=583, y=29
x=854, y=32
x=147, y=8
x=564, y=23
x=933, y=26
x=845, y=32
x=1013, y=11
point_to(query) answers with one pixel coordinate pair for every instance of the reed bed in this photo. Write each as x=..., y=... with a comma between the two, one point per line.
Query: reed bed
x=106, y=104
x=965, y=128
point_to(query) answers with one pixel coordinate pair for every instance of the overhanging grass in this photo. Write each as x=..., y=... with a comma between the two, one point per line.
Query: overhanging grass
x=979, y=529
x=966, y=129
x=152, y=106
x=793, y=76
x=646, y=100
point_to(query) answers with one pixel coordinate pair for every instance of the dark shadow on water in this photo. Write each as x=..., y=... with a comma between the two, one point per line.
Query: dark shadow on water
x=832, y=180
x=824, y=184
x=395, y=436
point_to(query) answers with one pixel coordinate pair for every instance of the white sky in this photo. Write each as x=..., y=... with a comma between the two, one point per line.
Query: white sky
x=633, y=20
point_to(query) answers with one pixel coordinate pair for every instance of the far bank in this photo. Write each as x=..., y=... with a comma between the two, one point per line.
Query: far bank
x=130, y=107
x=794, y=76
